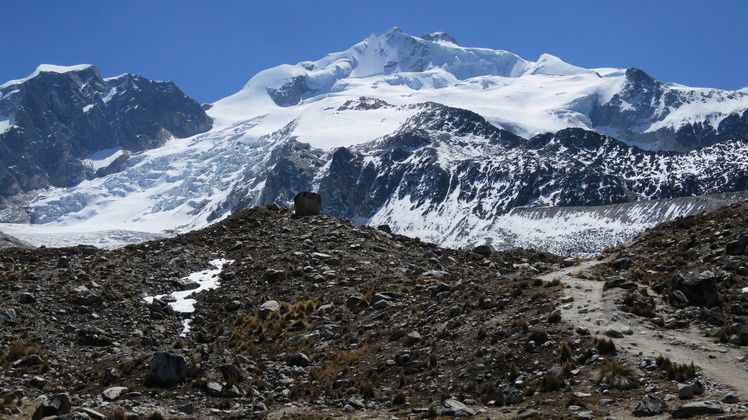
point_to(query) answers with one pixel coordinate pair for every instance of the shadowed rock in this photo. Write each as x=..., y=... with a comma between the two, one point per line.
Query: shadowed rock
x=307, y=203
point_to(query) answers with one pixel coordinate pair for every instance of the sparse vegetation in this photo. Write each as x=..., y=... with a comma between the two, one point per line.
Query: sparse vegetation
x=605, y=346
x=680, y=372
x=616, y=375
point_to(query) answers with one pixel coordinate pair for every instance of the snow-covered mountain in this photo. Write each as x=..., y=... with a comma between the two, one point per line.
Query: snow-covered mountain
x=62, y=125
x=433, y=139
x=512, y=93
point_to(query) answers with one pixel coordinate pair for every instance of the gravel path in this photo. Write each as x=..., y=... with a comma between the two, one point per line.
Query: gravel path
x=596, y=311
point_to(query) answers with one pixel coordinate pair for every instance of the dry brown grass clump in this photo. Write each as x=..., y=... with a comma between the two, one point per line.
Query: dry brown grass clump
x=616, y=375
x=680, y=372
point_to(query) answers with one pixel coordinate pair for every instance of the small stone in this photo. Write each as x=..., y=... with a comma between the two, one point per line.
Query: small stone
x=186, y=284
x=348, y=409
x=38, y=382
x=232, y=373
x=614, y=332
x=621, y=264
x=233, y=392
x=188, y=408
x=650, y=405
x=26, y=298
x=233, y=305
x=214, y=389
x=8, y=316
x=528, y=414
x=698, y=387
x=272, y=275
x=735, y=248
x=93, y=414
x=268, y=308
x=114, y=393
x=455, y=408
x=63, y=262
x=87, y=300
x=731, y=399
x=585, y=415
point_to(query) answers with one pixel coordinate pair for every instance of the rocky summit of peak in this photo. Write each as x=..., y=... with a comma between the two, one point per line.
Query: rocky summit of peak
x=439, y=37
x=311, y=317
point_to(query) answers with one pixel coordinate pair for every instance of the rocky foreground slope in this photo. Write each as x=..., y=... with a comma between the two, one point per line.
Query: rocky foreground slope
x=317, y=318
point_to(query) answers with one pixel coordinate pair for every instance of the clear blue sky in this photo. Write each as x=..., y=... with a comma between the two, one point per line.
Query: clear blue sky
x=211, y=48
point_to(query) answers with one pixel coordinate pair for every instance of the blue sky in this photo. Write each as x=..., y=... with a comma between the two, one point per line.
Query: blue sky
x=211, y=48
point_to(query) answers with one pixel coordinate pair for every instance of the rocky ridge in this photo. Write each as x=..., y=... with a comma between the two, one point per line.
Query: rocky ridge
x=59, y=117
x=313, y=318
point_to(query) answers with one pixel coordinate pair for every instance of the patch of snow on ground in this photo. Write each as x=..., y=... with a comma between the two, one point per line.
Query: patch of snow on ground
x=207, y=279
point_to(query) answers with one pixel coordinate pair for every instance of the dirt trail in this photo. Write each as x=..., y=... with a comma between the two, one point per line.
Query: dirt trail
x=596, y=311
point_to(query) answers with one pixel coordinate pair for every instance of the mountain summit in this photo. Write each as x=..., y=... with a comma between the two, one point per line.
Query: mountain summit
x=522, y=96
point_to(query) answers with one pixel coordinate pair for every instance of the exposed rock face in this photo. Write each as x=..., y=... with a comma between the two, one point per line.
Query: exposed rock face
x=445, y=157
x=58, y=118
x=644, y=100
x=7, y=241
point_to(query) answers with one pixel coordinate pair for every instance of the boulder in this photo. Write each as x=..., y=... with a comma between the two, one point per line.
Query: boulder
x=268, y=308
x=58, y=405
x=214, y=389
x=298, y=359
x=484, y=250
x=698, y=387
x=685, y=392
x=114, y=393
x=699, y=408
x=621, y=264
x=168, y=369
x=307, y=203
x=735, y=248
x=699, y=289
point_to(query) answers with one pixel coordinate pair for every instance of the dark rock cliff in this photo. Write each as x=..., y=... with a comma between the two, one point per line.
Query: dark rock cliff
x=59, y=118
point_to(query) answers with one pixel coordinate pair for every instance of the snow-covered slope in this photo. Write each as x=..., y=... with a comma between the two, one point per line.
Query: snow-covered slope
x=437, y=140
x=522, y=96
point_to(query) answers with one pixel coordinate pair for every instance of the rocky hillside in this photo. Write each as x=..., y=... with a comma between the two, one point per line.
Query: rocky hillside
x=7, y=241
x=691, y=271
x=311, y=318
x=54, y=122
